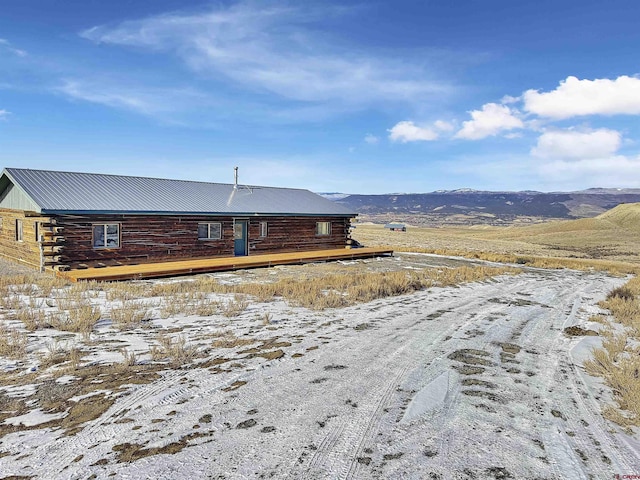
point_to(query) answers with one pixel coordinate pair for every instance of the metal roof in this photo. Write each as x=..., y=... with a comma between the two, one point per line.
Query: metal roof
x=67, y=192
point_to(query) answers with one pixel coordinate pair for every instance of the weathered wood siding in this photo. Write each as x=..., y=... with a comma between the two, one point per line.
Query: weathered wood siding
x=26, y=251
x=145, y=238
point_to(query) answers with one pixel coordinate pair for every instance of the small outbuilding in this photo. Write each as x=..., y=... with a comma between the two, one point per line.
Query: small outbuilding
x=69, y=220
x=396, y=227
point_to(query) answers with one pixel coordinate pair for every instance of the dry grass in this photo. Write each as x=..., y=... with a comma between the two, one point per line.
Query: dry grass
x=80, y=317
x=339, y=290
x=577, y=244
x=173, y=349
x=228, y=339
x=13, y=344
x=131, y=314
x=618, y=361
x=61, y=353
x=33, y=319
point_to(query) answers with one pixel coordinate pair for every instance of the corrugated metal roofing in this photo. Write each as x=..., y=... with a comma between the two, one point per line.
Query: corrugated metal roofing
x=68, y=192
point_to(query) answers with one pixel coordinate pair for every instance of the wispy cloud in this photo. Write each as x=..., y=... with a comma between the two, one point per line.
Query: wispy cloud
x=371, y=139
x=7, y=46
x=277, y=50
x=4, y=114
x=143, y=100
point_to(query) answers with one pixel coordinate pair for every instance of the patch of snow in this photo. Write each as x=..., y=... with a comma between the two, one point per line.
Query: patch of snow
x=19, y=391
x=77, y=398
x=34, y=417
x=582, y=351
x=66, y=379
x=428, y=399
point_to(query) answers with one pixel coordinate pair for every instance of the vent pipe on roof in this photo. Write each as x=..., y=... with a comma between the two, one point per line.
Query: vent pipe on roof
x=235, y=178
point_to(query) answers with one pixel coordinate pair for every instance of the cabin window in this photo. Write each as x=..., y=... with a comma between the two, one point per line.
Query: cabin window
x=323, y=228
x=209, y=231
x=106, y=235
x=263, y=229
x=18, y=230
x=36, y=229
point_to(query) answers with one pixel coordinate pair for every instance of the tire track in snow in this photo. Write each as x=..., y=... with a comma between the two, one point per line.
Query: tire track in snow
x=159, y=393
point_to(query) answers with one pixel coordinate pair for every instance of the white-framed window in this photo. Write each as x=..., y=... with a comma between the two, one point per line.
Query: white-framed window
x=210, y=231
x=323, y=228
x=19, y=230
x=264, y=229
x=106, y=235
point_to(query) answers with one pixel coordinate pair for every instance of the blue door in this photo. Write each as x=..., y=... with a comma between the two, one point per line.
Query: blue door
x=240, y=238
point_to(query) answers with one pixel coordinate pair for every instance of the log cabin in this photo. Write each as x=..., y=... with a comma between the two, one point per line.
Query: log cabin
x=67, y=220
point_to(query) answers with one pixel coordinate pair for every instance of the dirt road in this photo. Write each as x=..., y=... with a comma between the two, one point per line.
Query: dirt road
x=472, y=382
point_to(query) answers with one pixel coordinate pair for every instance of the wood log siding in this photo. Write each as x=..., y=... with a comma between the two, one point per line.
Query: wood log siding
x=28, y=250
x=146, y=239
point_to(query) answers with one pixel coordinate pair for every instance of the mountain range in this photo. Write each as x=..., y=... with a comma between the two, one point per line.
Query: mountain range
x=467, y=206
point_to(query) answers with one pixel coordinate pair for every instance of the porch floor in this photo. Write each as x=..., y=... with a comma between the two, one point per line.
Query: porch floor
x=204, y=265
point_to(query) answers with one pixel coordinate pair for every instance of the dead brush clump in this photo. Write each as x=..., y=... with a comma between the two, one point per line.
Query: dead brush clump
x=169, y=307
x=173, y=349
x=60, y=353
x=17, y=279
x=48, y=283
x=206, y=307
x=13, y=343
x=130, y=314
x=623, y=292
x=618, y=361
x=625, y=311
x=174, y=288
x=32, y=318
x=129, y=359
x=10, y=301
x=126, y=291
x=235, y=306
x=78, y=318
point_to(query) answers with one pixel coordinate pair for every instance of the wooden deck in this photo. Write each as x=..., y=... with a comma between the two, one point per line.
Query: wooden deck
x=204, y=265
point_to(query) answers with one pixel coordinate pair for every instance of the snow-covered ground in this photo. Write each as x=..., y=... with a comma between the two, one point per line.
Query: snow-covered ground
x=469, y=382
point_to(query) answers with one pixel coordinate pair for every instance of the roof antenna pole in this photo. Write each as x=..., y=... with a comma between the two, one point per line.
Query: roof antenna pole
x=235, y=178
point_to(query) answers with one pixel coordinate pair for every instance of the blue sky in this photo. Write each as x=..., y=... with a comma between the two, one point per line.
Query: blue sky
x=357, y=97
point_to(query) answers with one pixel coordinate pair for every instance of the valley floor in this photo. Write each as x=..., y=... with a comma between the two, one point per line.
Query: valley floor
x=469, y=382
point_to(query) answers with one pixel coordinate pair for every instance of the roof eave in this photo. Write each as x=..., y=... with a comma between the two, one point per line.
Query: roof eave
x=190, y=213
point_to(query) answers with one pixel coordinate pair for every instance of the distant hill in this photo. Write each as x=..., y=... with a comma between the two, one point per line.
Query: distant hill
x=612, y=234
x=473, y=206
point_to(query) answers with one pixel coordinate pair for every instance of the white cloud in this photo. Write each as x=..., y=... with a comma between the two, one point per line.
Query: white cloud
x=508, y=99
x=491, y=120
x=371, y=139
x=4, y=114
x=575, y=97
x=6, y=45
x=407, y=131
x=276, y=49
x=443, y=126
x=577, y=145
